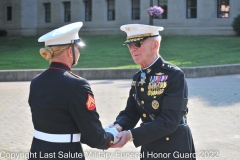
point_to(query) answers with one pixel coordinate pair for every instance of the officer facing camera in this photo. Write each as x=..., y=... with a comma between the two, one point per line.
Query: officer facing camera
x=62, y=104
x=158, y=96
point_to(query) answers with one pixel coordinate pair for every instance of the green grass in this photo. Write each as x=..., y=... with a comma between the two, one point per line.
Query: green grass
x=108, y=52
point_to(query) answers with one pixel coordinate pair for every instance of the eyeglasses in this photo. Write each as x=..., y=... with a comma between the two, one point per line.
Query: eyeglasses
x=136, y=44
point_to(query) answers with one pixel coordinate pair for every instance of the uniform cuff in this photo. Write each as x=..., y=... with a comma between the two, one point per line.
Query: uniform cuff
x=131, y=137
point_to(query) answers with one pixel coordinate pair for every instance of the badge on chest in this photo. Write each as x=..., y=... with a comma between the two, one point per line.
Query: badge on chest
x=143, y=77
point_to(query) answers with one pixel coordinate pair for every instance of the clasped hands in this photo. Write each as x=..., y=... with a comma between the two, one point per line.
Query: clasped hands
x=121, y=138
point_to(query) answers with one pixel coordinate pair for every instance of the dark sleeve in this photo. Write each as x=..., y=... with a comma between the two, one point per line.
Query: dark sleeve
x=129, y=117
x=173, y=108
x=87, y=119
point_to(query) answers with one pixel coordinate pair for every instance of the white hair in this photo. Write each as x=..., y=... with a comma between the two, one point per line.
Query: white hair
x=158, y=38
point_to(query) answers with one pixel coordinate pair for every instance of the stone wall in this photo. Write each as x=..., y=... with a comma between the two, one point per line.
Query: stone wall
x=13, y=27
x=28, y=17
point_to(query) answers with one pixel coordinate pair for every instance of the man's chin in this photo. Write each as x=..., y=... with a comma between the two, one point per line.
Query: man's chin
x=136, y=61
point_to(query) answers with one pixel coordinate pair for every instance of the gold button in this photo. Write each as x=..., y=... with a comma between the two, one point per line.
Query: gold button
x=162, y=64
x=142, y=102
x=133, y=95
x=144, y=115
x=154, y=97
x=167, y=138
x=142, y=89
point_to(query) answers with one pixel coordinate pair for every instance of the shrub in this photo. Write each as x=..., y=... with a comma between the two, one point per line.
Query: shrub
x=3, y=33
x=236, y=24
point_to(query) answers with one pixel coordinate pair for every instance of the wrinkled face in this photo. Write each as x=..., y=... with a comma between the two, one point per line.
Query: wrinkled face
x=142, y=54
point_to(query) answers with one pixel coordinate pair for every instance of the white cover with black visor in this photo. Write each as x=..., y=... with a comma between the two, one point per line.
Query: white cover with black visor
x=67, y=34
x=138, y=32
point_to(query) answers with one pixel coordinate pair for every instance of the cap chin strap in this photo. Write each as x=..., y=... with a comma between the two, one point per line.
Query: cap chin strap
x=74, y=59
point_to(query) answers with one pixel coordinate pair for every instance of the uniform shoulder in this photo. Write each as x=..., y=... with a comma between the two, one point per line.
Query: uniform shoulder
x=77, y=78
x=169, y=66
x=79, y=84
x=36, y=76
x=74, y=75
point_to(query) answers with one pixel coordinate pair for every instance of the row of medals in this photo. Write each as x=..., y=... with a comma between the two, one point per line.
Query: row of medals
x=155, y=88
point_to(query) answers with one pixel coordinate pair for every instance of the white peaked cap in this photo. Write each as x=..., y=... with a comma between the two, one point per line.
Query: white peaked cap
x=64, y=35
x=136, y=32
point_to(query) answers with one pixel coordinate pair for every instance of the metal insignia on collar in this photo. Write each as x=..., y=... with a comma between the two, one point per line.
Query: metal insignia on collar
x=148, y=70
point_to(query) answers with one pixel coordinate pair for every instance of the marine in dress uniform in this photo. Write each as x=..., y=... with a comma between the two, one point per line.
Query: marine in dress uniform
x=63, y=107
x=158, y=96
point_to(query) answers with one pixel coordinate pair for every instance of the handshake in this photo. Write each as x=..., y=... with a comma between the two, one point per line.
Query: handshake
x=120, y=137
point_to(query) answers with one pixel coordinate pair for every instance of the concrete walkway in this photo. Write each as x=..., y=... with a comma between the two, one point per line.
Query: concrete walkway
x=214, y=117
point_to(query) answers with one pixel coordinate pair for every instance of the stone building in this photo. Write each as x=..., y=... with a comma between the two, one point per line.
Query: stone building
x=191, y=17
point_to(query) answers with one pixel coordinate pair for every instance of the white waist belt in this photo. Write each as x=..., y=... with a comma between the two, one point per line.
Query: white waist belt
x=57, y=138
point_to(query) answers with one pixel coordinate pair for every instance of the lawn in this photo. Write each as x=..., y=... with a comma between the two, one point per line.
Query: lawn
x=108, y=52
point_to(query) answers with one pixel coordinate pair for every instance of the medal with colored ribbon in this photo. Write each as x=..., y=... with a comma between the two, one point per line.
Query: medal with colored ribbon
x=143, y=77
x=157, y=84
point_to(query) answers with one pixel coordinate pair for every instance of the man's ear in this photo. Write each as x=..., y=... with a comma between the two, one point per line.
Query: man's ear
x=155, y=46
x=69, y=52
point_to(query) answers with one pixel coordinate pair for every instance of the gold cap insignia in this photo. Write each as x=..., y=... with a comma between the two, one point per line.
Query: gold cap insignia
x=128, y=28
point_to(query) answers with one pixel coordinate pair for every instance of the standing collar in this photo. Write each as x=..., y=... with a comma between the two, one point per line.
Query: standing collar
x=59, y=66
x=154, y=66
x=142, y=69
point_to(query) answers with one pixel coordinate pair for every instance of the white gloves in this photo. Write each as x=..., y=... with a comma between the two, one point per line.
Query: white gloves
x=114, y=132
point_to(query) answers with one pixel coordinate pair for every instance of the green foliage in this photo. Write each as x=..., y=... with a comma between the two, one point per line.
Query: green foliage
x=236, y=24
x=108, y=52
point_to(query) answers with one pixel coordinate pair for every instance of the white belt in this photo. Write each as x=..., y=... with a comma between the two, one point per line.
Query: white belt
x=57, y=138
